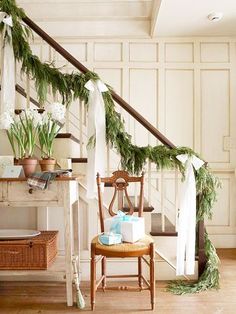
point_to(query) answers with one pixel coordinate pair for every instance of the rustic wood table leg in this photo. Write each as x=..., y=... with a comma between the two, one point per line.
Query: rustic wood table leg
x=76, y=228
x=69, y=191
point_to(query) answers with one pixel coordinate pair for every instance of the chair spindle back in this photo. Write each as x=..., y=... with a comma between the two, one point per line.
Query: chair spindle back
x=120, y=181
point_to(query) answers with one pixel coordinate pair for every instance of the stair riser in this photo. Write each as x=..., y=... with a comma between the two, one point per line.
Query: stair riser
x=79, y=168
x=166, y=246
x=65, y=148
x=5, y=147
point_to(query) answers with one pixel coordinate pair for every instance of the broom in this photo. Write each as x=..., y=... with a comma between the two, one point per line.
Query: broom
x=79, y=297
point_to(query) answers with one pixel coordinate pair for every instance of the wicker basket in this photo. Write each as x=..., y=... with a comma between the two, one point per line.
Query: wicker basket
x=35, y=253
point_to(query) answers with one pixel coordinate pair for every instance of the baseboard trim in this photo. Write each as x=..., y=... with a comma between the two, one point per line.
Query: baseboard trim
x=220, y=241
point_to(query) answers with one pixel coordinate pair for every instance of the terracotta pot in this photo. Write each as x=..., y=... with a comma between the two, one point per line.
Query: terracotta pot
x=47, y=164
x=29, y=165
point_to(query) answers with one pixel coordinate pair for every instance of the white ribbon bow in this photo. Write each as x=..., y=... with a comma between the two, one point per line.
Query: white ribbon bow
x=97, y=128
x=7, y=19
x=187, y=216
x=8, y=66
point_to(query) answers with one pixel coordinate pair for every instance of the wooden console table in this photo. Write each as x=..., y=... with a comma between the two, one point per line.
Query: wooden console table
x=62, y=192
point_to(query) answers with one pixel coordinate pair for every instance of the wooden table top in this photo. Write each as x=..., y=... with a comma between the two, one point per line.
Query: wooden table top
x=73, y=178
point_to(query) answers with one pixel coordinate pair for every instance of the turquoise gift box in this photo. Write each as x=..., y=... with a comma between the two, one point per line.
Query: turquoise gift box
x=110, y=238
x=131, y=228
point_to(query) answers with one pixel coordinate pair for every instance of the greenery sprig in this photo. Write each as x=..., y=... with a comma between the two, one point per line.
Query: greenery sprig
x=133, y=158
x=209, y=278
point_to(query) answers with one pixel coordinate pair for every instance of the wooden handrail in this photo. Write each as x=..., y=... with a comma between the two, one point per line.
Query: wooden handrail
x=63, y=52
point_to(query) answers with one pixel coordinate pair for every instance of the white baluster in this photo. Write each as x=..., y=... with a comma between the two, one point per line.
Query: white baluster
x=148, y=216
x=41, y=50
x=27, y=92
x=85, y=120
x=108, y=161
x=149, y=182
x=176, y=198
x=135, y=195
x=51, y=55
x=149, y=175
x=54, y=56
x=50, y=59
x=67, y=124
x=135, y=185
x=162, y=191
x=81, y=128
x=67, y=111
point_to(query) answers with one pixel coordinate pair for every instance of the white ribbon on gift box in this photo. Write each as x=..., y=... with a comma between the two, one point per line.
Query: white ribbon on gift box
x=97, y=128
x=8, y=66
x=187, y=216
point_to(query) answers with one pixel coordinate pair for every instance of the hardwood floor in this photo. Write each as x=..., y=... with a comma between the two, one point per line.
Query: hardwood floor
x=49, y=298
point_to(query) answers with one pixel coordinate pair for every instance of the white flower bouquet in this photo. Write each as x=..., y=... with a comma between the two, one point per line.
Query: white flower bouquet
x=52, y=121
x=22, y=131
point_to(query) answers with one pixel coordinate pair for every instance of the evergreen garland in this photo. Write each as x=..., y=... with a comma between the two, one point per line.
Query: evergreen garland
x=209, y=278
x=133, y=158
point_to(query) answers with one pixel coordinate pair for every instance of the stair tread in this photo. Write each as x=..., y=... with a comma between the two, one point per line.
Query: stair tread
x=79, y=160
x=163, y=234
x=146, y=209
x=68, y=135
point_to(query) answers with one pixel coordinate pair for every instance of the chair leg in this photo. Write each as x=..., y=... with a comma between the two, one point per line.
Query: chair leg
x=152, y=275
x=92, y=277
x=104, y=273
x=140, y=282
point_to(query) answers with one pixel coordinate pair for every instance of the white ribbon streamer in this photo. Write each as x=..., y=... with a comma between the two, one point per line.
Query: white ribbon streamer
x=187, y=217
x=8, y=66
x=97, y=128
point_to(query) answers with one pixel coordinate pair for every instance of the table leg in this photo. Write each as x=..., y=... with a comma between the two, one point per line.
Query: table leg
x=76, y=230
x=68, y=235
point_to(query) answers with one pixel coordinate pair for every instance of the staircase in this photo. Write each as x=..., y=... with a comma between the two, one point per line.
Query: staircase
x=160, y=208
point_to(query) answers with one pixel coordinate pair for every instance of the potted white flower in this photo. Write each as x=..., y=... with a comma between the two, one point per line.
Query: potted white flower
x=22, y=130
x=53, y=119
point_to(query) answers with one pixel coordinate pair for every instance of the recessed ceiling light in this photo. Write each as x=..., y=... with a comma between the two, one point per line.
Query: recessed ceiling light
x=215, y=16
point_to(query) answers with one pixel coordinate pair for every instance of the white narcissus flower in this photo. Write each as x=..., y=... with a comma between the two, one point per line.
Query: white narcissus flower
x=45, y=118
x=6, y=120
x=33, y=115
x=17, y=119
x=27, y=113
x=36, y=118
x=56, y=111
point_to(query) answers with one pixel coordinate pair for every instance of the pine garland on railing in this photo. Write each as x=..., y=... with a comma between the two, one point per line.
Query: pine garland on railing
x=133, y=158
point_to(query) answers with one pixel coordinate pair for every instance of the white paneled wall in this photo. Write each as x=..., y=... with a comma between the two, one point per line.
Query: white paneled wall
x=179, y=106
x=186, y=87
x=215, y=103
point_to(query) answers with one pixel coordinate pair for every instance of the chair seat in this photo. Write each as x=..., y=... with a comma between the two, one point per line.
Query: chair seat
x=139, y=248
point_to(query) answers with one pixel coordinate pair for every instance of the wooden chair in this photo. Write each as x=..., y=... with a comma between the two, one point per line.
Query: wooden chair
x=120, y=181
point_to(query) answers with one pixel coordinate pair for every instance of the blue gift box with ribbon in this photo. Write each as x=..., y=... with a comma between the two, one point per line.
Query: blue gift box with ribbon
x=130, y=227
x=110, y=238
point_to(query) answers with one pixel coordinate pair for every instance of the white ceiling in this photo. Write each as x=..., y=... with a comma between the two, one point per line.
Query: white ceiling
x=189, y=18
x=132, y=18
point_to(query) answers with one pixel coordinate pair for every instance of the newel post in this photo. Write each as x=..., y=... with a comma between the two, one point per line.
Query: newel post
x=201, y=243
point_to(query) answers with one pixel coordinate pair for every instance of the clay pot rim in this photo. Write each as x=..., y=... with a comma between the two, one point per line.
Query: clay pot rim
x=47, y=161
x=50, y=158
x=28, y=160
